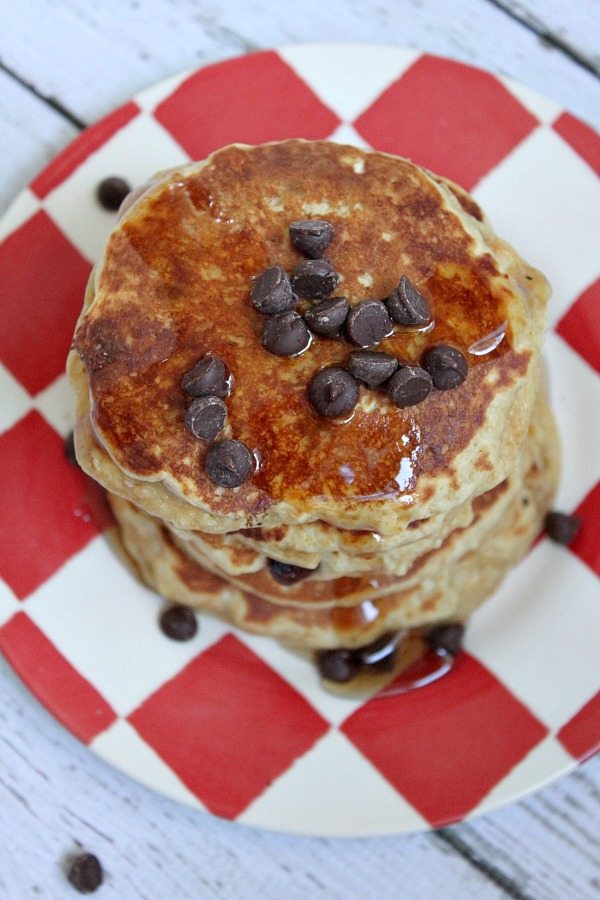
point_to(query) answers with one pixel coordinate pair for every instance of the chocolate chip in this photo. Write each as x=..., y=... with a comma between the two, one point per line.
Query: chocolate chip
x=85, y=873
x=333, y=392
x=311, y=237
x=111, y=192
x=286, y=334
x=446, y=365
x=205, y=417
x=368, y=323
x=407, y=306
x=272, y=292
x=179, y=623
x=371, y=367
x=409, y=386
x=314, y=278
x=287, y=574
x=380, y=655
x=209, y=377
x=562, y=528
x=446, y=637
x=228, y=463
x=327, y=318
x=337, y=665
x=69, y=449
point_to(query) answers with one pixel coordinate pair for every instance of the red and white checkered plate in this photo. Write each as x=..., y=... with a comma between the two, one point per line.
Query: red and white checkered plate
x=229, y=722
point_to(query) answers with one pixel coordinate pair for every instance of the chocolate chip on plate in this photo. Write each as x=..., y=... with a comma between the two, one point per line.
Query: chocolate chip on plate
x=209, y=376
x=69, y=449
x=179, y=623
x=85, y=873
x=368, y=323
x=272, y=292
x=287, y=574
x=314, y=278
x=371, y=366
x=205, y=417
x=333, y=392
x=446, y=637
x=446, y=365
x=409, y=385
x=112, y=191
x=286, y=334
x=327, y=318
x=407, y=306
x=228, y=463
x=311, y=237
x=562, y=528
x=337, y=665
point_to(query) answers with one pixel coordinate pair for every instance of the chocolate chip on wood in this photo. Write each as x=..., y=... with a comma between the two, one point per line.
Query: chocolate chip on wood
x=85, y=873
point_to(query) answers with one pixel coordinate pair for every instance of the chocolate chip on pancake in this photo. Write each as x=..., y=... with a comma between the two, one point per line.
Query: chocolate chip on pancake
x=409, y=385
x=286, y=334
x=562, y=528
x=288, y=574
x=272, y=292
x=85, y=873
x=209, y=376
x=446, y=637
x=205, y=417
x=371, y=366
x=368, y=323
x=311, y=237
x=315, y=279
x=446, y=365
x=337, y=665
x=228, y=463
x=179, y=623
x=407, y=306
x=327, y=318
x=333, y=392
x=112, y=191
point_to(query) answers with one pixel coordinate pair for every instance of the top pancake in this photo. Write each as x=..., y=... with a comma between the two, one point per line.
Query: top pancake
x=175, y=283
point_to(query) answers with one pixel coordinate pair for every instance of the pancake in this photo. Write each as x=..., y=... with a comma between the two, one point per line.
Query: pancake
x=174, y=283
x=449, y=593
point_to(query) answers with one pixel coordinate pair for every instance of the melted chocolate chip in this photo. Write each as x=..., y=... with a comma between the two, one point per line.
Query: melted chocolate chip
x=446, y=365
x=228, y=463
x=286, y=334
x=111, y=192
x=327, y=318
x=314, y=278
x=333, y=392
x=337, y=665
x=272, y=292
x=205, y=417
x=179, y=623
x=407, y=306
x=562, y=528
x=409, y=385
x=311, y=237
x=446, y=637
x=368, y=323
x=287, y=574
x=209, y=377
x=85, y=873
x=371, y=367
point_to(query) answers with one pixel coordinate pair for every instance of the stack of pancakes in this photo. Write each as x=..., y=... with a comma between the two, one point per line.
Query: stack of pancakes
x=346, y=529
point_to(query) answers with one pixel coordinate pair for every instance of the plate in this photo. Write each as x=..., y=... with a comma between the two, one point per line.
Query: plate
x=229, y=722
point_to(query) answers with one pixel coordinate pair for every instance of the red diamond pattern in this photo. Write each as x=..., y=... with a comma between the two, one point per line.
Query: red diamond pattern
x=581, y=735
x=42, y=283
x=54, y=681
x=580, y=326
x=45, y=514
x=444, y=770
x=250, y=100
x=581, y=137
x=228, y=725
x=432, y=114
x=587, y=543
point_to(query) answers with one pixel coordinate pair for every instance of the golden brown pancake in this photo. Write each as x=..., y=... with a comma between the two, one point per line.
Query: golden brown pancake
x=175, y=282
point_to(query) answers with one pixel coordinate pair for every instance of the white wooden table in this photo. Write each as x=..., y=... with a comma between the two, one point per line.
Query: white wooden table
x=63, y=64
